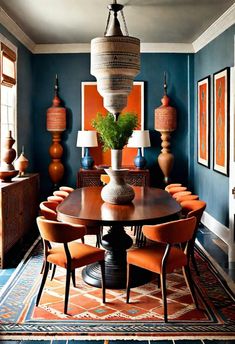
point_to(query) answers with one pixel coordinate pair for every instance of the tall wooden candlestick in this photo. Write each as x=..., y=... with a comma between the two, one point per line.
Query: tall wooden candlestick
x=56, y=124
x=165, y=122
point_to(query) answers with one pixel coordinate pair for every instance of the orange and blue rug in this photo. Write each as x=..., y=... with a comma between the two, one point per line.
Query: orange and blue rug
x=89, y=319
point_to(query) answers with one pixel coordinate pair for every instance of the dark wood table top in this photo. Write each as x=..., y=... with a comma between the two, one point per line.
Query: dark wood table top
x=85, y=206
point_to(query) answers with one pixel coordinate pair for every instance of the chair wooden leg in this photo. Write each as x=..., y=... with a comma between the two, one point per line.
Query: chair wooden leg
x=74, y=278
x=128, y=281
x=98, y=240
x=99, y=237
x=67, y=291
x=44, y=277
x=164, y=300
x=53, y=272
x=189, y=282
x=137, y=235
x=42, y=268
x=158, y=281
x=102, y=267
x=194, y=263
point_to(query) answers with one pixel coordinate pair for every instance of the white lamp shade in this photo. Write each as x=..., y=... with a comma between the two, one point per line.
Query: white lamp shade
x=87, y=138
x=139, y=138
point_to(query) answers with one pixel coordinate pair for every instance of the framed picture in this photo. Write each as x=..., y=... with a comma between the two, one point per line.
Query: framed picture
x=92, y=103
x=203, y=121
x=221, y=121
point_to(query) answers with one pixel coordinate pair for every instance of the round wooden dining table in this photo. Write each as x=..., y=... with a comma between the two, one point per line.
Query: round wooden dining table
x=85, y=206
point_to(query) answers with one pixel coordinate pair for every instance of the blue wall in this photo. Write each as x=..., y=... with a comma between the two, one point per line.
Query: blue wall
x=212, y=186
x=36, y=75
x=24, y=99
x=72, y=69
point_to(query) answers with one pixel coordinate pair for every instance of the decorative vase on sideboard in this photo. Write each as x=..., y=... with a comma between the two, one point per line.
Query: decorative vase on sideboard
x=21, y=164
x=7, y=170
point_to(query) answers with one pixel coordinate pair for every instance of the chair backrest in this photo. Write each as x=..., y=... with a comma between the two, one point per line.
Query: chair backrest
x=61, y=193
x=66, y=188
x=175, y=189
x=173, y=232
x=181, y=193
x=172, y=185
x=105, y=178
x=56, y=199
x=48, y=210
x=187, y=198
x=193, y=208
x=59, y=232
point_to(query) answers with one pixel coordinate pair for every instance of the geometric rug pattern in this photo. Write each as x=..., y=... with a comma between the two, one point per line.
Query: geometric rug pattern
x=141, y=319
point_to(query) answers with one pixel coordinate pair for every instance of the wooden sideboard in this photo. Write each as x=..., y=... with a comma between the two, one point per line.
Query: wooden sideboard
x=18, y=210
x=135, y=177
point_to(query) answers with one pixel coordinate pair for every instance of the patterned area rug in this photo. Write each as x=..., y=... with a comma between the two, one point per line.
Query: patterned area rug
x=141, y=319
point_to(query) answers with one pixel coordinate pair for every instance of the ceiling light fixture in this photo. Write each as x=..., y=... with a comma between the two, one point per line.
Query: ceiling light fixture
x=115, y=61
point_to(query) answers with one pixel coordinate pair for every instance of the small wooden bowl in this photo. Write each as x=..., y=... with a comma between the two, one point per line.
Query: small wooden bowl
x=6, y=176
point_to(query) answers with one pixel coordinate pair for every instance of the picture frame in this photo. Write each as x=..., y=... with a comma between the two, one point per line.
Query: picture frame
x=203, y=121
x=92, y=103
x=221, y=121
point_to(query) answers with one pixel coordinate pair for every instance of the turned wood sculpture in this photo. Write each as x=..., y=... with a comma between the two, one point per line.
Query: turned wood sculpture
x=7, y=169
x=165, y=122
x=56, y=124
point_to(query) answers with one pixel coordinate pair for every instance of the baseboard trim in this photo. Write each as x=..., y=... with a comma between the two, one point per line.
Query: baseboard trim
x=216, y=227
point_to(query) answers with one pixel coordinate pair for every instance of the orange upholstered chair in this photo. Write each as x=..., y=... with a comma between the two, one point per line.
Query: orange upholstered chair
x=180, y=199
x=181, y=193
x=189, y=209
x=165, y=258
x=104, y=178
x=66, y=188
x=61, y=193
x=69, y=254
x=172, y=186
x=48, y=210
x=175, y=189
x=56, y=199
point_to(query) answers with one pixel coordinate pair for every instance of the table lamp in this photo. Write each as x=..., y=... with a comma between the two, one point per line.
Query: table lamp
x=86, y=139
x=139, y=139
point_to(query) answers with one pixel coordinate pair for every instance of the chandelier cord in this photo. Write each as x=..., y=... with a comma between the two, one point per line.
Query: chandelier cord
x=165, y=84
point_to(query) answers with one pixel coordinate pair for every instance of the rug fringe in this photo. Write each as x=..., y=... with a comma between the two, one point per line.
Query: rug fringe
x=106, y=341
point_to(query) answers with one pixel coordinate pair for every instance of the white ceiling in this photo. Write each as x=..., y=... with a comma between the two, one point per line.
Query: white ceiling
x=78, y=21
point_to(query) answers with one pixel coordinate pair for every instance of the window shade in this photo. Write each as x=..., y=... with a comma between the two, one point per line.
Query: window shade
x=8, y=72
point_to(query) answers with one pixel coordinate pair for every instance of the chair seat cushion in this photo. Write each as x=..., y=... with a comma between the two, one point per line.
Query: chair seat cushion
x=81, y=254
x=150, y=258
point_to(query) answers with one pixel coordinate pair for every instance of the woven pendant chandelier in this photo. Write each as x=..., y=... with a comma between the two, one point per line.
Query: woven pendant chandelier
x=115, y=61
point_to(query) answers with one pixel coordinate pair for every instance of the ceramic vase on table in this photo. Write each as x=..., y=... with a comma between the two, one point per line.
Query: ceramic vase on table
x=117, y=191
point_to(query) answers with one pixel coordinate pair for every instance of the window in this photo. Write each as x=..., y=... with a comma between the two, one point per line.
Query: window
x=7, y=92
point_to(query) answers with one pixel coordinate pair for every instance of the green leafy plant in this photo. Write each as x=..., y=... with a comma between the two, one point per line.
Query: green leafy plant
x=115, y=134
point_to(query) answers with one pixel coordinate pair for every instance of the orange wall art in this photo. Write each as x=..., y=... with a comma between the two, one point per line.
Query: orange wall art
x=92, y=103
x=204, y=121
x=221, y=121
